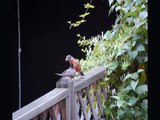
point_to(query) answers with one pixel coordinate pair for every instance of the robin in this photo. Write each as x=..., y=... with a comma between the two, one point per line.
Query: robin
x=70, y=72
x=75, y=63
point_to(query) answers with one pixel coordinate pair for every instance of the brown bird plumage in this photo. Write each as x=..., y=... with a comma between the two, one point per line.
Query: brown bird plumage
x=75, y=63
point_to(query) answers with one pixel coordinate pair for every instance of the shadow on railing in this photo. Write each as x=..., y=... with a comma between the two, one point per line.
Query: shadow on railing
x=77, y=99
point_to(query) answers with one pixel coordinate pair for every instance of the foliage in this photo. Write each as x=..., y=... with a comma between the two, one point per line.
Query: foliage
x=82, y=16
x=123, y=52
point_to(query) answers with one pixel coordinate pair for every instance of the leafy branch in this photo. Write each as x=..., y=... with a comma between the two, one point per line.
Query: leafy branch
x=82, y=16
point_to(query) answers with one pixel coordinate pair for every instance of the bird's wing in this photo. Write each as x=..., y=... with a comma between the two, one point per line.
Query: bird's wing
x=69, y=72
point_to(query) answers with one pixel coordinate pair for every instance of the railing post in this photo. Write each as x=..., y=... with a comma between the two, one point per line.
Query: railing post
x=68, y=106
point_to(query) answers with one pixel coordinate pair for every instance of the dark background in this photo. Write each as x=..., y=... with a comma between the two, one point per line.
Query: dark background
x=46, y=40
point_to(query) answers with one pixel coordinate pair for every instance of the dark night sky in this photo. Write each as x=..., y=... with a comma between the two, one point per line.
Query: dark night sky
x=46, y=40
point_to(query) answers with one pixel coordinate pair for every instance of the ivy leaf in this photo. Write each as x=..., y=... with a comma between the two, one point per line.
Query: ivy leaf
x=132, y=101
x=120, y=53
x=134, y=84
x=119, y=1
x=115, y=97
x=126, y=9
x=125, y=65
x=134, y=76
x=138, y=23
x=132, y=14
x=112, y=65
x=127, y=76
x=117, y=8
x=141, y=89
x=144, y=104
x=110, y=2
x=140, y=59
x=143, y=15
x=127, y=46
x=120, y=113
x=140, y=48
x=107, y=35
x=120, y=103
x=138, y=2
x=127, y=89
x=133, y=54
x=129, y=19
x=140, y=70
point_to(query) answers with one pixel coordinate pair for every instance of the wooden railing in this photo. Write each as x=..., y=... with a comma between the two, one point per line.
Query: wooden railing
x=72, y=99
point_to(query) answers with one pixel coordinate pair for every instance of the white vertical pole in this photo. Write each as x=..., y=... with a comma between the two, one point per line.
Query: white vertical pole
x=19, y=54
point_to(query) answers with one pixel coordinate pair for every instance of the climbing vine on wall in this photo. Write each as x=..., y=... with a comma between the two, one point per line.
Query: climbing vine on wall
x=123, y=51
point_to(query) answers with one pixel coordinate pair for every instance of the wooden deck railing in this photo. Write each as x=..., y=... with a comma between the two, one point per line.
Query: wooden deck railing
x=77, y=99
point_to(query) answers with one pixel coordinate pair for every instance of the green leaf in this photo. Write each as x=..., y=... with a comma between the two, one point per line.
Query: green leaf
x=69, y=22
x=119, y=1
x=132, y=101
x=120, y=103
x=141, y=89
x=140, y=48
x=132, y=14
x=115, y=97
x=107, y=35
x=110, y=2
x=126, y=9
x=133, y=54
x=84, y=15
x=134, y=84
x=129, y=19
x=112, y=65
x=120, y=53
x=83, y=21
x=120, y=113
x=127, y=76
x=88, y=6
x=143, y=15
x=117, y=8
x=134, y=76
x=127, y=46
x=138, y=2
x=138, y=23
x=140, y=70
x=144, y=104
x=125, y=65
x=127, y=89
x=140, y=59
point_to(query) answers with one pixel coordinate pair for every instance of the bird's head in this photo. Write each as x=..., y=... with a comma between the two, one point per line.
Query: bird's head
x=68, y=58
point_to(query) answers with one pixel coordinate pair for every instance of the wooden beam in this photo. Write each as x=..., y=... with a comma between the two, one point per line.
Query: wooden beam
x=41, y=104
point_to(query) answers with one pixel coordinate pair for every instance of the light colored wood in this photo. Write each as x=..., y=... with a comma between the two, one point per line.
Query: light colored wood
x=67, y=93
x=99, y=103
x=41, y=104
x=91, y=103
x=83, y=105
x=104, y=93
x=43, y=115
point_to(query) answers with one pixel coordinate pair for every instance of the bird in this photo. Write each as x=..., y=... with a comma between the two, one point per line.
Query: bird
x=75, y=63
x=70, y=72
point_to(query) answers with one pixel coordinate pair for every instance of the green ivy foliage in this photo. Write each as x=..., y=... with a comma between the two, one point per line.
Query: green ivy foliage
x=123, y=51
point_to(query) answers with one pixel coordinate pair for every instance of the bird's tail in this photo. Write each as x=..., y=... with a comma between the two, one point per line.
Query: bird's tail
x=58, y=74
x=81, y=73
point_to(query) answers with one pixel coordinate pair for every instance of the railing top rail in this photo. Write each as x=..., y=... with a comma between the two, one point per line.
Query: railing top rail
x=41, y=104
x=91, y=77
x=51, y=98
